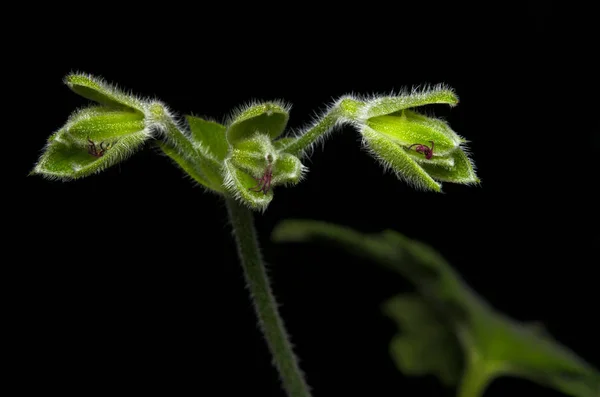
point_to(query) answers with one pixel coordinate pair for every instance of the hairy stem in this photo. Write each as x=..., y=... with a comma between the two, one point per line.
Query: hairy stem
x=178, y=146
x=264, y=302
x=347, y=109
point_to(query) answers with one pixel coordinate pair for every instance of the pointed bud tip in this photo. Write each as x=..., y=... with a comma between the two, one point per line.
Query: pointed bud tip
x=95, y=89
x=82, y=79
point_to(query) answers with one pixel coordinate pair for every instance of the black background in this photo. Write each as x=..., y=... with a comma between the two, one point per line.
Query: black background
x=129, y=279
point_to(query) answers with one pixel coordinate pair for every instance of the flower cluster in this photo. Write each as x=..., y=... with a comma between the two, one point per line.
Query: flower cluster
x=247, y=156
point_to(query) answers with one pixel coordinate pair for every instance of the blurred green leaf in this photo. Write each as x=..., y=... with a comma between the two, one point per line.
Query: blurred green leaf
x=492, y=344
x=425, y=344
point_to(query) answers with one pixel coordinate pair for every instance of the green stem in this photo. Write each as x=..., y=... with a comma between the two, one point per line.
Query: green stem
x=264, y=301
x=179, y=147
x=347, y=109
x=475, y=380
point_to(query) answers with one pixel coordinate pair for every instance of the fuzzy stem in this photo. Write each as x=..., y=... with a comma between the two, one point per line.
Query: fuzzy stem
x=264, y=302
x=347, y=109
x=178, y=146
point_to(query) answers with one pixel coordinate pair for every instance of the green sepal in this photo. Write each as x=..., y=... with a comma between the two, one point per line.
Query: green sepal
x=287, y=170
x=253, y=154
x=408, y=128
x=99, y=123
x=268, y=118
x=462, y=171
x=391, y=104
x=97, y=90
x=439, y=161
x=395, y=157
x=64, y=158
x=440, y=125
x=258, y=145
x=425, y=345
x=209, y=137
x=240, y=184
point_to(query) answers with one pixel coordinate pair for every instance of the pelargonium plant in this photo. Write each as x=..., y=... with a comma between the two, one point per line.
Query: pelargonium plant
x=244, y=159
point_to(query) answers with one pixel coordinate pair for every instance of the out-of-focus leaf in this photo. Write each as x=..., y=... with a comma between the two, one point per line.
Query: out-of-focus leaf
x=492, y=344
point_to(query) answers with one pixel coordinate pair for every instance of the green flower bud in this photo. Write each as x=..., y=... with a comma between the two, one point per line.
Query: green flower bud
x=421, y=150
x=254, y=166
x=92, y=140
x=98, y=136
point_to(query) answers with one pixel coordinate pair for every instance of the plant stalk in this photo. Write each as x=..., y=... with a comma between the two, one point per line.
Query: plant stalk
x=264, y=302
x=475, y=380
x=326, y=123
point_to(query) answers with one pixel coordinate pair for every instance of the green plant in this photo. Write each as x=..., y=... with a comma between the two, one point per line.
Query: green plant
x=246, y=157
x=448, y=330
